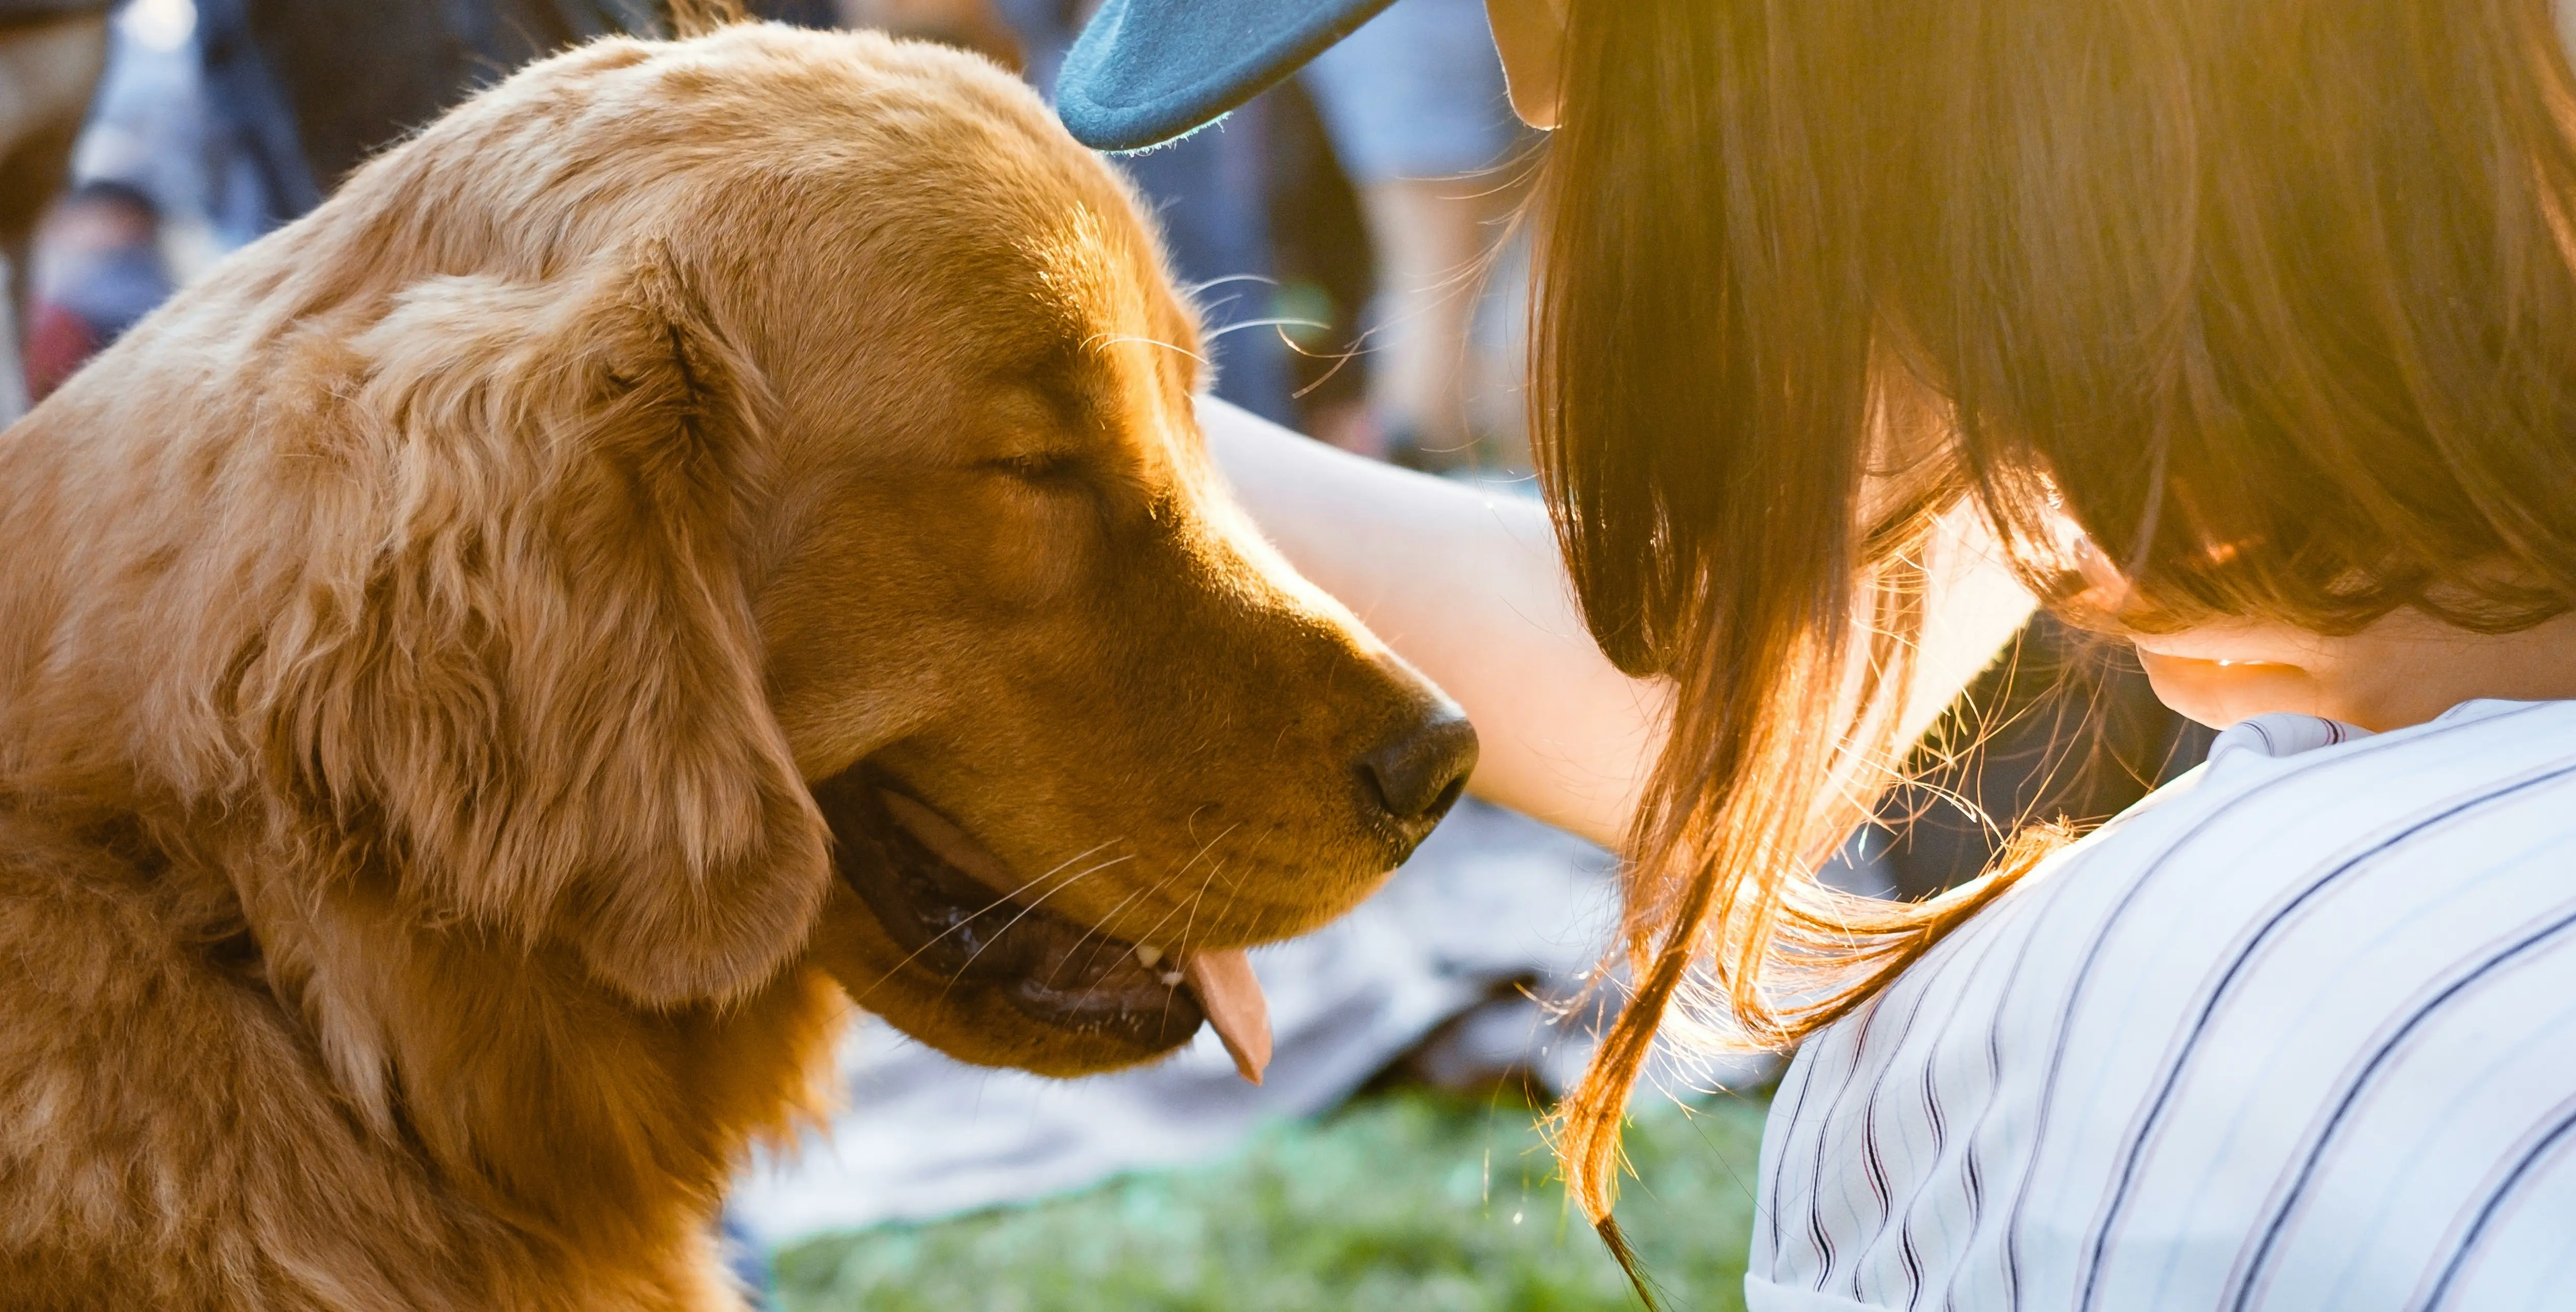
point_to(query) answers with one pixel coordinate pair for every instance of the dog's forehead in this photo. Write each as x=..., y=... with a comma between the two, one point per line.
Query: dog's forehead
x=1012, y=318
x=1098, y=292
x=1098, y=325
x=1078, y=265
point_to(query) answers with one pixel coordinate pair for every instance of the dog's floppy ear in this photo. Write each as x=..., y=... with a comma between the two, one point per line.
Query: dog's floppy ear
x=550, y=701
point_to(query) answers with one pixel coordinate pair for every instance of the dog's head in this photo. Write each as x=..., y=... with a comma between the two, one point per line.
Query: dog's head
x=754, y=486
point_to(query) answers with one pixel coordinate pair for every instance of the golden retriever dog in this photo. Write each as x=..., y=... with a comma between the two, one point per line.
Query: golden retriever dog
x=704, y=534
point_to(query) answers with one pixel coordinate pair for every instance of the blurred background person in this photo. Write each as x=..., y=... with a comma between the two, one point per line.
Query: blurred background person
x=312, y=88
x=218, y=120
x=51, y=55
x=102, y=271
x=966, y=24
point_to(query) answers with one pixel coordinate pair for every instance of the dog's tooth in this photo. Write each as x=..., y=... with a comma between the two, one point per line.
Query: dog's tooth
x=1148, y=956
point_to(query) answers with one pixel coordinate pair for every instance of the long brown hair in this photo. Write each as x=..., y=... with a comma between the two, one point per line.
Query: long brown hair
x=2271, y=298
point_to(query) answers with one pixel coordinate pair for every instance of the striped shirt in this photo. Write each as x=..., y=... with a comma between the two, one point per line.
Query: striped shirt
x=2296, y=1032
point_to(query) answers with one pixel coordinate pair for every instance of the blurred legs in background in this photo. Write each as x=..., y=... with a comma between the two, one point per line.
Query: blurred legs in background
x=1432, y=239
x=1415, y=105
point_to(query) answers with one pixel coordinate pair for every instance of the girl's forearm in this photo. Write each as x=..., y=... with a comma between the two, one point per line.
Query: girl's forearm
x=1466, y=585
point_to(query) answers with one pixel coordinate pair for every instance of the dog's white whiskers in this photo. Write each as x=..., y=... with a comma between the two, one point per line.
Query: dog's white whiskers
x=1240, y=325
x=1131, y=899
x=1170, y=978
x=1200, y=897
x=998, y=902
x=1182, y=872
x=1034, y=903
x=1173, y=978
x=1123, y=903
x=1121, y=339
x=1263, y=279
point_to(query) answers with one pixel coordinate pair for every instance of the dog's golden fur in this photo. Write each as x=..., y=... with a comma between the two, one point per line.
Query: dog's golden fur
x=420, y=643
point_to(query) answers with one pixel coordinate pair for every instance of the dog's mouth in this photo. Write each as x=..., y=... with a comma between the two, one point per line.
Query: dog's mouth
x=960, y=914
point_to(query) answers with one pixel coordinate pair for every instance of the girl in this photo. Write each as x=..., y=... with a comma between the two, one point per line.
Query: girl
x=2243, y=330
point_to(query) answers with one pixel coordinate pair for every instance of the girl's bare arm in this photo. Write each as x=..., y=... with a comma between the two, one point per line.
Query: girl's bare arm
x=1467, y=585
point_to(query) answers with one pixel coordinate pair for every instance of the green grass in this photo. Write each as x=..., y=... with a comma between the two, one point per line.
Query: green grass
x=1409, y=1202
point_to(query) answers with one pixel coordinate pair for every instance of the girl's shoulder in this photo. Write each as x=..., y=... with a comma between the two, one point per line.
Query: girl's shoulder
x=2300, y=851
x=2280, y=792
x=2299, y=1017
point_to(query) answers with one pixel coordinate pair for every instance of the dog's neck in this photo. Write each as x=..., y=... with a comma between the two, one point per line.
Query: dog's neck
x=522, y=1082
x=535, y=1096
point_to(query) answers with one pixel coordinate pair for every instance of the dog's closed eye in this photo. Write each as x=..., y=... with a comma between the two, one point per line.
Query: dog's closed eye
x=1042, y=468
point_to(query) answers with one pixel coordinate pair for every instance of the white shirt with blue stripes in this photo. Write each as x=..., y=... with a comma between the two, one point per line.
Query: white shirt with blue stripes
x=2296, y=1032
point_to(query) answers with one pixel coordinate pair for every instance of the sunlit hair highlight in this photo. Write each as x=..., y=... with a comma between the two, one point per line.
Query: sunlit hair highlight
x=690, y=18
x=2270, y=298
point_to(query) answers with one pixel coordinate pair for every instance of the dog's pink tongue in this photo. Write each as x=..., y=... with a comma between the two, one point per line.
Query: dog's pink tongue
x=1231, y=996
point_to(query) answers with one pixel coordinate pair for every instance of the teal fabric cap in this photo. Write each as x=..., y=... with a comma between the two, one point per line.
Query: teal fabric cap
x=1146, y=71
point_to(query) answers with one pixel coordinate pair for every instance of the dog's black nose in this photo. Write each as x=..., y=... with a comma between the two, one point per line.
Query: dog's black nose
x=1418, y=774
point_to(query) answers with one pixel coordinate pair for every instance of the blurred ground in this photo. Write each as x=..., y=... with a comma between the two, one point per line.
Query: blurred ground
x=1408, y=1201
